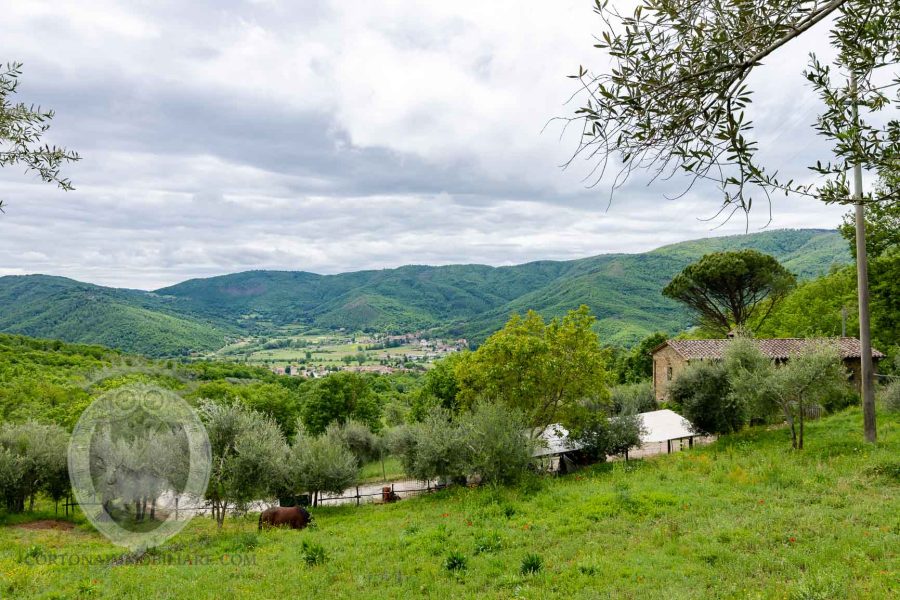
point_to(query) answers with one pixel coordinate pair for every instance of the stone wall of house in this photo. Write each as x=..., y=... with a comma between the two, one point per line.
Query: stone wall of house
x=666, y=365
x=854, y=367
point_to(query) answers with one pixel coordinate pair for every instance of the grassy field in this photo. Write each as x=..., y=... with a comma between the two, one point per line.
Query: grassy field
x=743, y=518
x=324, y=349
x=374, y=471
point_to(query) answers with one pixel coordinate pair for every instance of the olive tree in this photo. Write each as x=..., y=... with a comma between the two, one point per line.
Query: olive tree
x=703, y=393
x=796, y=388
x=433, y=448
x=22, y=128
x=321, y=464
x=497, y=447
x=249, y=456
x=135, y=468
x=799, y=385
x=633, y=398
x=601, y=432
x=32, y=460
x=358, y=439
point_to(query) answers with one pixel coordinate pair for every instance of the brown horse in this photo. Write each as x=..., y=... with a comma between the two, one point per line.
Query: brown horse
x=296, y=517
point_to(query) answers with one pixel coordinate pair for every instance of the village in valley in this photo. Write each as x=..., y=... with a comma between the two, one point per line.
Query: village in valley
x=301, y=352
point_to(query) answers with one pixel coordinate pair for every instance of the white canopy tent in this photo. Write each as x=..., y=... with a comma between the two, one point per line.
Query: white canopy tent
x=553, y=441
x=665, y=426
x=658, y=426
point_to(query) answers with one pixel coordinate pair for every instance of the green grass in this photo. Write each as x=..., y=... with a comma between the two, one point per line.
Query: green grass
x=373, y=471
x=744, y=518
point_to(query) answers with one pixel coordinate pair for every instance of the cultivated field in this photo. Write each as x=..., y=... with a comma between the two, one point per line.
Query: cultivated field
x=743, y=518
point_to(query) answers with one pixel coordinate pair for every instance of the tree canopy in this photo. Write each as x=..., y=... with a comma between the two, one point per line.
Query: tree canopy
x=731, y=290
x=337, y=398
x=677, y=95
x=541, y=369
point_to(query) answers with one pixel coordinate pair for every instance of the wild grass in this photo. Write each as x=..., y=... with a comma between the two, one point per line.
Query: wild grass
x=744, y=518
x=373, y=472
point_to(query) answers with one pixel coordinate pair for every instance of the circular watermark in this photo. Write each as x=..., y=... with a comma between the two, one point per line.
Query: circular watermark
x=139, y=464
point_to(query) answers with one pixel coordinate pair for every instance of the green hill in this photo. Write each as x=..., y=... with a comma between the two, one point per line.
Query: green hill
x=472, y=301
x=55, y=307
x=624, y=290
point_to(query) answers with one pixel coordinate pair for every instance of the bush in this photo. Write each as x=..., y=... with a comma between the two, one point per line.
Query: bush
x=494, y=444
x=633, y=398
x=839, y=398
x=455, y=561
x=312, y=553
x=703, y=393
x=532, y=563
x=890, y=396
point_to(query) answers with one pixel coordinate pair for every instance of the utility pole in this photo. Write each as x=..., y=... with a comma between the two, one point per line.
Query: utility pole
x=867, y=378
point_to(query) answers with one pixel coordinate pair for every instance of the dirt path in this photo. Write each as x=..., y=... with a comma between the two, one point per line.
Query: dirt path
x=45, y=524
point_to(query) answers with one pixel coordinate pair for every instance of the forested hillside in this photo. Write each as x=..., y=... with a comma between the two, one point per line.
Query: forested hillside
x=622, y=290
x=60, y=308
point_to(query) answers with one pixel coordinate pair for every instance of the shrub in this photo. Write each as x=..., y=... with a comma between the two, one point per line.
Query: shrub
x=633, y=398
x=703, y=393
x=455, y=561
x=532, y=563
x=495, y=446
x=890, y=396
x=312, y=553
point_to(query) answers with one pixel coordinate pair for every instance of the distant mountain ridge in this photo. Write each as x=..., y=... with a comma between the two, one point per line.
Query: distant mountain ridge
x=623, y=290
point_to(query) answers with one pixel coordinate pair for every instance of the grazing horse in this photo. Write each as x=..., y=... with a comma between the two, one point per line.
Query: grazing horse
x=296, y=517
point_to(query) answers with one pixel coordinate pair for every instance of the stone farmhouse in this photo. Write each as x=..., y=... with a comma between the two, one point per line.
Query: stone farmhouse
x=672, y=356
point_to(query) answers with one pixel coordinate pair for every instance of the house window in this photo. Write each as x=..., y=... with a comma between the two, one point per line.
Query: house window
x=669, y=373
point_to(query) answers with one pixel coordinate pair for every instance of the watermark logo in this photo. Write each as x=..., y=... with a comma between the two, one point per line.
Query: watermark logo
x=139, y=464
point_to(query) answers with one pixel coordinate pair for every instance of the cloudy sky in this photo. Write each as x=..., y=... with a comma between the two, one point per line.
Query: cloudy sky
x=324, y=135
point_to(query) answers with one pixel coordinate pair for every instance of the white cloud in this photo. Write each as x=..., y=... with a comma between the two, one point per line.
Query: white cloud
x=329, y=136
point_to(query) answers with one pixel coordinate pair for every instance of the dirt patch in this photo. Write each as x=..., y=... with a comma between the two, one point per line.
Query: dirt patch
x=48, y=524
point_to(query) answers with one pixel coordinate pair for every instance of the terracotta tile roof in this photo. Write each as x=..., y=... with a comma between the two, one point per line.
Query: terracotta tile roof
x=780, y=348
